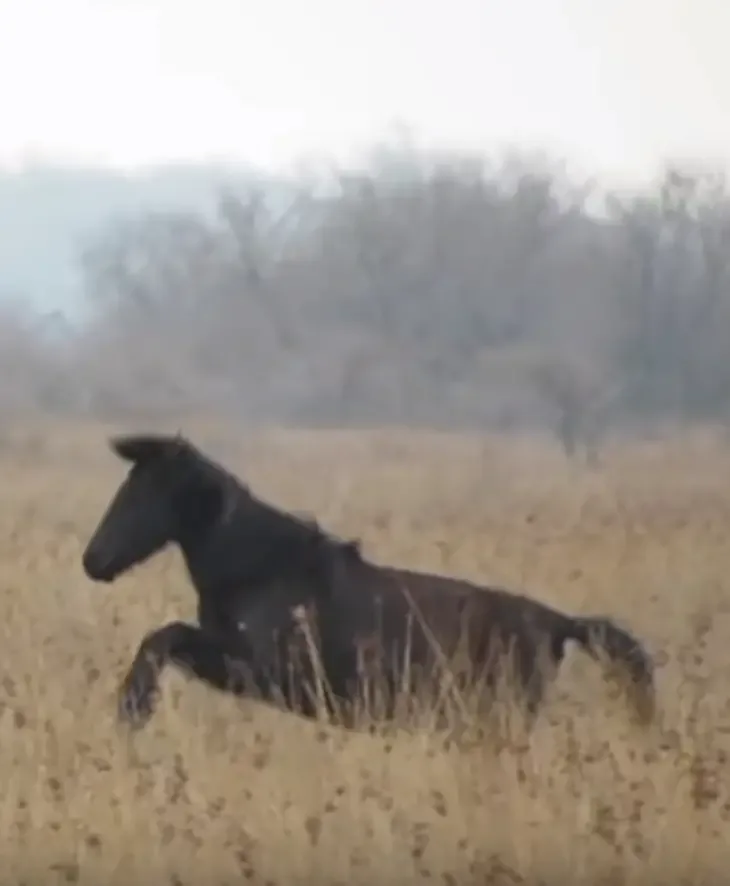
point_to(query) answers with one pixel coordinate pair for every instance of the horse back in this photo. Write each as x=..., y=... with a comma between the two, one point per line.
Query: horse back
x=433, y=614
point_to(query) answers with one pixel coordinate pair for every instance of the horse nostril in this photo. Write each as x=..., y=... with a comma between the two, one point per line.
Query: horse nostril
x=93, y=567
x=87, y=561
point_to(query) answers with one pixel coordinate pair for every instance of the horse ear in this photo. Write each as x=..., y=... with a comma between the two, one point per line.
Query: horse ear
x=180, y=444
x=140, y=448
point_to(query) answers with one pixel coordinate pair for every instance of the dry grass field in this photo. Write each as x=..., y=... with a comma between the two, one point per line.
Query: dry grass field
x=226, y=791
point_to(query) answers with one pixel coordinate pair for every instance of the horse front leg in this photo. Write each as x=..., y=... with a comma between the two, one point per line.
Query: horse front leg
x=197, y=653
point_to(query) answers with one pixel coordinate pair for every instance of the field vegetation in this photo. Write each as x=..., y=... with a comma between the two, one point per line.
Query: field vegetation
x=219, y=790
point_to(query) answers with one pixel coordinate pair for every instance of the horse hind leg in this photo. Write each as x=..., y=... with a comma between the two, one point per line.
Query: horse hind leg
x=533, y=698
x=537, y=664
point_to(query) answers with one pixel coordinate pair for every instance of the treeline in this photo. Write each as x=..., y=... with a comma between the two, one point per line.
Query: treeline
x=439, y=290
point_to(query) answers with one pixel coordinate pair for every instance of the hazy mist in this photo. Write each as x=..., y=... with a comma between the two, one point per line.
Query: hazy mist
x=442, y=290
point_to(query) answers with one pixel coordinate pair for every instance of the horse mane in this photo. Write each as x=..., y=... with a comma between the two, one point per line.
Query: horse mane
x=350, y=546
x=279, y=541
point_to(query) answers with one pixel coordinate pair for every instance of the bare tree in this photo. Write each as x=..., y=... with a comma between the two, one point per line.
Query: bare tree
x=672, y=293
x=403, y=291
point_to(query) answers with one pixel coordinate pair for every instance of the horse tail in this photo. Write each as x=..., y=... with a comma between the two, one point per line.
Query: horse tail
x=603, y=639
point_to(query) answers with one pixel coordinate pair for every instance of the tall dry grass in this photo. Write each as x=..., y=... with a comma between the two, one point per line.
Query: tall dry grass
x=225, y=790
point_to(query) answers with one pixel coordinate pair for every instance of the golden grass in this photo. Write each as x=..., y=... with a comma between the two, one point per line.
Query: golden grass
x=227, y=790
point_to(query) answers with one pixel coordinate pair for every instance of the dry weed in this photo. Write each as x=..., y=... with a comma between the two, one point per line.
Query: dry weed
x=228, y=790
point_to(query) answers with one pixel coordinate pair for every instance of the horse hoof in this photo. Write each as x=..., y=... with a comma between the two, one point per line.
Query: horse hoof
x=135, y=709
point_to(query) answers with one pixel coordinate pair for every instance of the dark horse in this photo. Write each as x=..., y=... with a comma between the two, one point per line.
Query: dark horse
x=254, y=566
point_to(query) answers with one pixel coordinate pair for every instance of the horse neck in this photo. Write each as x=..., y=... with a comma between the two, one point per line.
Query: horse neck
x=210, y=559
x=253, y=545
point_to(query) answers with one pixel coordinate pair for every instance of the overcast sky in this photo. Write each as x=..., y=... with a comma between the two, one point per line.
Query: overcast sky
x=616, y=85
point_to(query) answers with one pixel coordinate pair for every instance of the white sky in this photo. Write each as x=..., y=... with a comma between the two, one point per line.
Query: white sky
x=616, y=85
